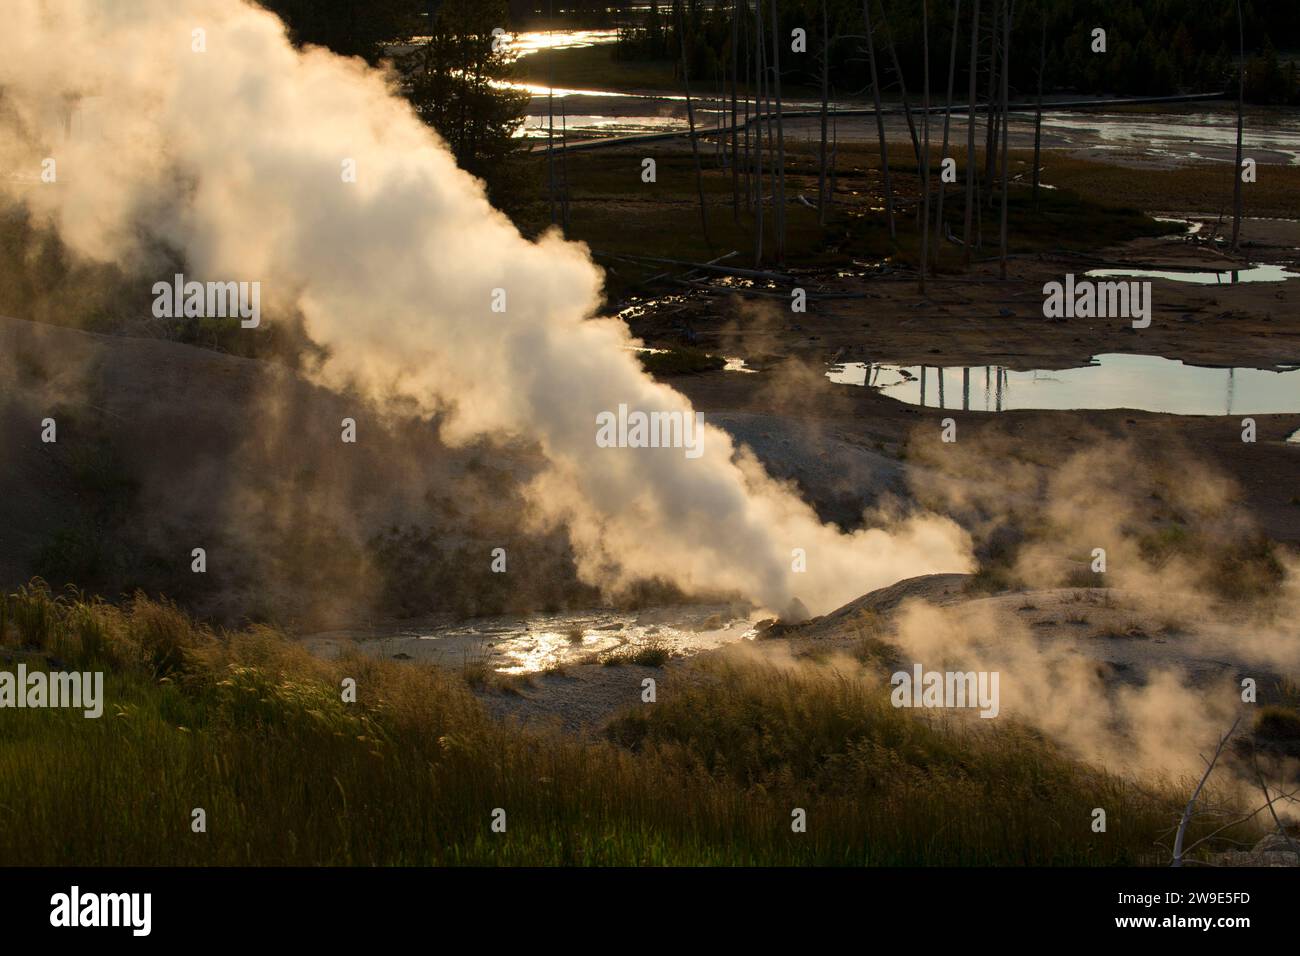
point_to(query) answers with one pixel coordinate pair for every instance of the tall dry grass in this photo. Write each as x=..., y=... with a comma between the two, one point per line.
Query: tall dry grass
x=249, y=727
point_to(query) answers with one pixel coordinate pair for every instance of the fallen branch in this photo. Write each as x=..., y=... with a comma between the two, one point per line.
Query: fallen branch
x=1187, y=813
x=765, y=293
x=702, y=266
x=1269, y=800
x=1130, y=264
x=688, y=274
x=1237, y=821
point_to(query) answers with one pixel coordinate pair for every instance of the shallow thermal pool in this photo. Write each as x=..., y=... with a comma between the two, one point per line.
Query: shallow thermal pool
x=1263, y=273
x=1143, y=382
x=513, y=644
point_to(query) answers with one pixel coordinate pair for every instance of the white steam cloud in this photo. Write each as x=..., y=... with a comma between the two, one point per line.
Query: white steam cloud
x=234, y=157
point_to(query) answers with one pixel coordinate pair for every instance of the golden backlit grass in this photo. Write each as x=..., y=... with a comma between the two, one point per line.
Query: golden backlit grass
x=249, y=727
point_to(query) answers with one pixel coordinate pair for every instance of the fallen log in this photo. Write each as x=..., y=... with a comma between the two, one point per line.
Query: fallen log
x=702, y=266
x=689, y=273
x=765, y=293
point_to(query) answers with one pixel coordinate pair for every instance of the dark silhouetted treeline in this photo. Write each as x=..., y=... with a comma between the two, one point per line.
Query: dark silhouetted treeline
x=1153, y=47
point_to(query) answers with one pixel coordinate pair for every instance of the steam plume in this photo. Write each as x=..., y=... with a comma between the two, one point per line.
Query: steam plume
x=232, y=158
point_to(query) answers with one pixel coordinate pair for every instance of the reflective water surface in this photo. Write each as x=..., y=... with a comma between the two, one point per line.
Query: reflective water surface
x=513, y=644
x=1142, y=382
x=1261, y=273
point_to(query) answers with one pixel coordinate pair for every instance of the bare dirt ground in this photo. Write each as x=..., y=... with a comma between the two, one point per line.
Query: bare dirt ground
x=979, y=320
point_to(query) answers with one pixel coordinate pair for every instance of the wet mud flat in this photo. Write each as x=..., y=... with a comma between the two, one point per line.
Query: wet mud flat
x=529, y=645
x=574, y=669
x=1124, y=636
x=978, y=319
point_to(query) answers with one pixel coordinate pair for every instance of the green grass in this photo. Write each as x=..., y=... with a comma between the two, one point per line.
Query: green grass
x=651, y=654
x=1196, y=187
x=249, y=727
x=679, y=361
x=1241, y=569
x=1278, y=722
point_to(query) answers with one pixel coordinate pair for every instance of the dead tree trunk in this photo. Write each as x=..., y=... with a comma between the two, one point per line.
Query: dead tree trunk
x=1191, y=804
x=826, y=81
x=723, y=148
x=1038, y=115
x=880, y=118
x=758, y=133
x=564, y=165
x=925, y=149
x=768, y=114
x=750, y=120
x=991, y=133
x=902, y=87
x=765, y=69
x=1241, y=99
x=1006, y=121
x=947, y=121
x=835, y=145
x=778, y=198
x=970, y=137
x=735, y=68
x=690, y=118
x=550, y=128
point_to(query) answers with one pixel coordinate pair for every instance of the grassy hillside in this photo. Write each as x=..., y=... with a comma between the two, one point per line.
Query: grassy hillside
x=248, y=727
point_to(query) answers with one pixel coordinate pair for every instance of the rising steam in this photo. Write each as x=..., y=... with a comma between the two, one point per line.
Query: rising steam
x=232, y=158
